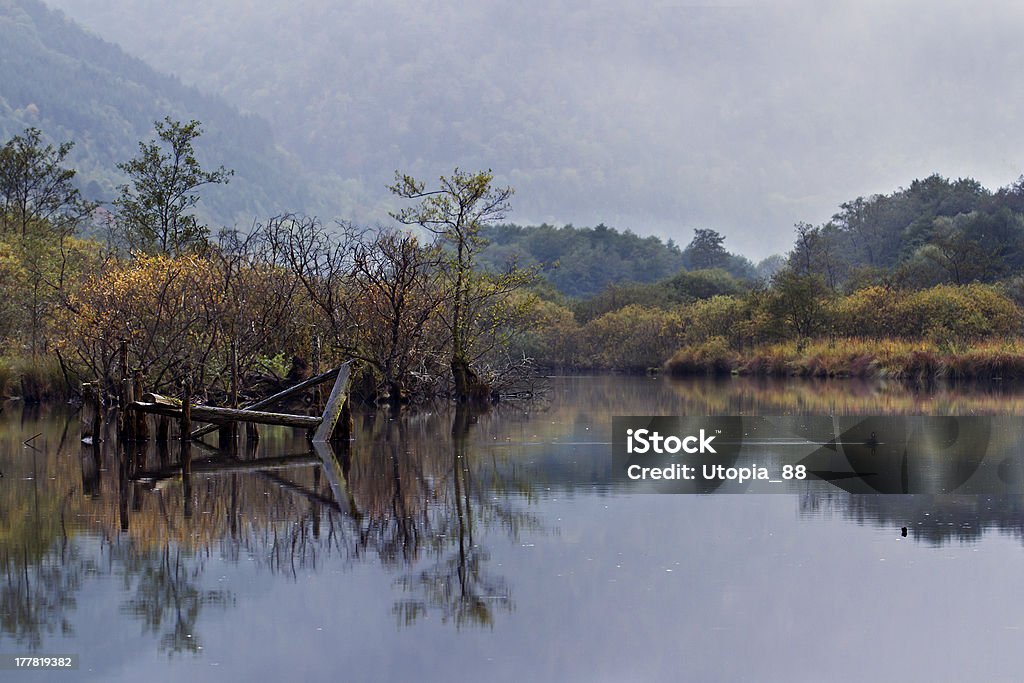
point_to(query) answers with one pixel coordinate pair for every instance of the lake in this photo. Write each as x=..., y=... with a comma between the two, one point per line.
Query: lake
x=443, y=545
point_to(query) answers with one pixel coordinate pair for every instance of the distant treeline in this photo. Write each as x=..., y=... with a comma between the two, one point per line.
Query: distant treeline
x=582, y=262
x=924, y=282
x=934, y=231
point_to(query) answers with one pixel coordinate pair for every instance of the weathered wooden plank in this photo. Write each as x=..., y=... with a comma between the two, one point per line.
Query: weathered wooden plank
x=221, y=415
x=335, y=404
x=150, y=397
x=276, y=398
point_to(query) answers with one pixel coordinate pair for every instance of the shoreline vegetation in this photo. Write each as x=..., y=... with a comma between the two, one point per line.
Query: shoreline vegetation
x=921, y=284
x=915, y=361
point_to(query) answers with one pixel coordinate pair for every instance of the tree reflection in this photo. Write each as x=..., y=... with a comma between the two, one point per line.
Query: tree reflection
x=167, y=596
x=457, y=583
x=36, y=596
x=411, y=492
x=933, y=519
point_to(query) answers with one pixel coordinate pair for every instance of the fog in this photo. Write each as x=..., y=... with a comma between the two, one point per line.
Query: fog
x=745, y=118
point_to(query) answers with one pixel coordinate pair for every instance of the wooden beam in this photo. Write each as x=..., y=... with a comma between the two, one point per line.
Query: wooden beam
x=335, y=404
x=276, y=398
x=221, y=415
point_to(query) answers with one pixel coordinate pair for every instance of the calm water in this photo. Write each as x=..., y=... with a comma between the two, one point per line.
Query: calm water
x=447, y=546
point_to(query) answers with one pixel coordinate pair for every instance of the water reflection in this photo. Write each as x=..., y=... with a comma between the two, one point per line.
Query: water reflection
x=409, y=493
x=936, y=520
x=166, y=594
x=430, y=499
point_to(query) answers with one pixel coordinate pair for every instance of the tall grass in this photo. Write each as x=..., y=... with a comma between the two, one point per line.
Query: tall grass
x=858, y=357
x=33, y=380
x=7, y=377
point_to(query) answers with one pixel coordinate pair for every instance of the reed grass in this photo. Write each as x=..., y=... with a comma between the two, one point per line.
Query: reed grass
x=33, y=380
x=858, y=357
x=7, y=377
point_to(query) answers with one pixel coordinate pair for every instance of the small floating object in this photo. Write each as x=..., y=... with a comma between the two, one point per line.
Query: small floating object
x=903, y=532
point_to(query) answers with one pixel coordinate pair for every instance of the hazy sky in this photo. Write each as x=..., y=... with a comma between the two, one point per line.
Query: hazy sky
x=745, y=118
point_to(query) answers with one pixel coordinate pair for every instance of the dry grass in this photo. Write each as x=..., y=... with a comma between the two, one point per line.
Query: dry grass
x=33, y=380
x=856, y=357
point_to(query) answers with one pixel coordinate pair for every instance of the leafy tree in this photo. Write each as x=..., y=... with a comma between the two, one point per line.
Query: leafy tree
x=705, y=251
x=799, y=304
x=154, y=209
x=36, y=187
x=964, y=259
x=456, y=212
x=40, y=210
x=703, y=284
x=816, y=252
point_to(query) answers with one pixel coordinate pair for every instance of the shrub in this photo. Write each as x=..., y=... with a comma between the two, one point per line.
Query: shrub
x=712, y=356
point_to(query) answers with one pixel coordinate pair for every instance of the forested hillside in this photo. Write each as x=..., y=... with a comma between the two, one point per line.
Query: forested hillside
x=559, y=100
x=582, y=262
x=72, y=85
x=933, y=231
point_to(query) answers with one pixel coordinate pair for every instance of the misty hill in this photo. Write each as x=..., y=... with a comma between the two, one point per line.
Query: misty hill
x=741, y=117
x=74, y=86
x=561, y=102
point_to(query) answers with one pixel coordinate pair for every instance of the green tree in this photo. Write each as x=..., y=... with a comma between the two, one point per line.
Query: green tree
x=36, y=187
x=456, y=212
x=154, y=210
x=799, y=304
x=705, y=251
x=962, y=258
x=40, y=210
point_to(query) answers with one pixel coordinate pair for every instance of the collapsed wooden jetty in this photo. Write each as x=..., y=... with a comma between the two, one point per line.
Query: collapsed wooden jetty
x=334, y=424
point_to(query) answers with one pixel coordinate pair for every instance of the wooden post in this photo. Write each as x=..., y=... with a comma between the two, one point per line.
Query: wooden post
x=185, y=421
x=92, y=436
x=129, y=420
x=335, y=407
x=228, y=433
x=163, y=429
x=141, y=420
x=186, y=445
x=124, y=398
x=91, y=416
x=226, y=436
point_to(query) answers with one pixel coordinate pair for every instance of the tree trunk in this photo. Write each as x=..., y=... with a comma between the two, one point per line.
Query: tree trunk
x=468, y=385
